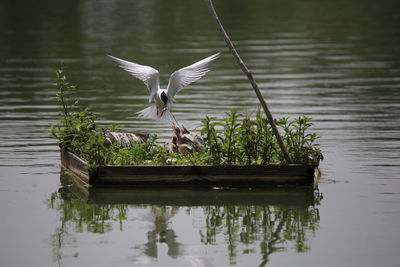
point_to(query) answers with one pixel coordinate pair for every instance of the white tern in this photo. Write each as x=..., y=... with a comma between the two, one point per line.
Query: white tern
x=163, y=98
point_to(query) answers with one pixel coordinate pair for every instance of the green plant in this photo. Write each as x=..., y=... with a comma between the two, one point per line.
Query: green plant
x=301, y=145
x=213, y=140
x=73, y=126
x=230, y=139
x=239, y=139
x=235, y=139
x=64, y=91
x=265, y=140
x=247, y=141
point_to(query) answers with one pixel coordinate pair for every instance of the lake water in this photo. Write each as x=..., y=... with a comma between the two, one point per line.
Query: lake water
x=336, y=61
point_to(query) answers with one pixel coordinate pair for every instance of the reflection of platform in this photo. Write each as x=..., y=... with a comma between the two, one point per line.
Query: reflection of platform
x=282, y=196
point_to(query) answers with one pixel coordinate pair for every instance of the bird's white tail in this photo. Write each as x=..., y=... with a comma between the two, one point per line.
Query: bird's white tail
x=154, y=114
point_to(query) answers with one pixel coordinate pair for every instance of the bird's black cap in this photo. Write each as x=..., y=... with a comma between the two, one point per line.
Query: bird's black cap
x=164, y=97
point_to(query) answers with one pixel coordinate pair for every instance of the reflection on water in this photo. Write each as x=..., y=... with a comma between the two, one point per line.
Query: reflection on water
x=77, y=216
x=272, y=227
x=272, y=220
x=161, y=231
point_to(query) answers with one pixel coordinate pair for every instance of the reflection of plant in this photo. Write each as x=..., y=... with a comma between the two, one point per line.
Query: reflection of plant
x=243, y=228
x=91, y=217
x=162, y=232
x=271, y=226
x=81, y=216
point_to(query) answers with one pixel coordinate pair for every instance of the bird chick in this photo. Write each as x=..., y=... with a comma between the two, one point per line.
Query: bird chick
x=185, y=142
x=185, y=149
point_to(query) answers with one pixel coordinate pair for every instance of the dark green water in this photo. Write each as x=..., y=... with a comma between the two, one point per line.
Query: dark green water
x=337, y=61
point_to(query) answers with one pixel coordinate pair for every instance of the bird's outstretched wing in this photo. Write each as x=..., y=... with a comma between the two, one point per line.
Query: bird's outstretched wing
x=146, y=74
x=185, y=76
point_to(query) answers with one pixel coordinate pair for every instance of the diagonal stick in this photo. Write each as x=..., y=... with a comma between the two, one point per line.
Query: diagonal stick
x=249, y=75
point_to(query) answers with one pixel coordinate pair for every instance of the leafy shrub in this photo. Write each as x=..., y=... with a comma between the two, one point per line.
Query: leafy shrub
x=247, y=141
x=236, y=139
x=301, y=145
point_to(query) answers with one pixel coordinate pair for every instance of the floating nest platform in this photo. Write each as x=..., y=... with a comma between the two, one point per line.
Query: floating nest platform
x=290, y=196
x=236, y=176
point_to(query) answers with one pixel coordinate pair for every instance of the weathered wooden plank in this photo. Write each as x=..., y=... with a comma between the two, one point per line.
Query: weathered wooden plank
x=223, y=176
x=235, y=175
x=296, y=196
x=75, y=164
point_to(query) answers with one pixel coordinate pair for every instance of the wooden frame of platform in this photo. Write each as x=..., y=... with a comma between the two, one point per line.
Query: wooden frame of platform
x=187, y=175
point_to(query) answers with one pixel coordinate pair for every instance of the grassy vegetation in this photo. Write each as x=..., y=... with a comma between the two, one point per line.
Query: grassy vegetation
x=239, y=139
x=236, y=139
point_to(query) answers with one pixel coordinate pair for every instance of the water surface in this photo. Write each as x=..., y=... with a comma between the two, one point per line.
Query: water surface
x=338, y=62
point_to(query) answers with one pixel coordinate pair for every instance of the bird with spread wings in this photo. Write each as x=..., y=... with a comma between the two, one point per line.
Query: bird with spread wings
x=163, y=98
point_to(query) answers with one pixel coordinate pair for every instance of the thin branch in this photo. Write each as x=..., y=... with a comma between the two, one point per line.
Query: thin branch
x=249, y=75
